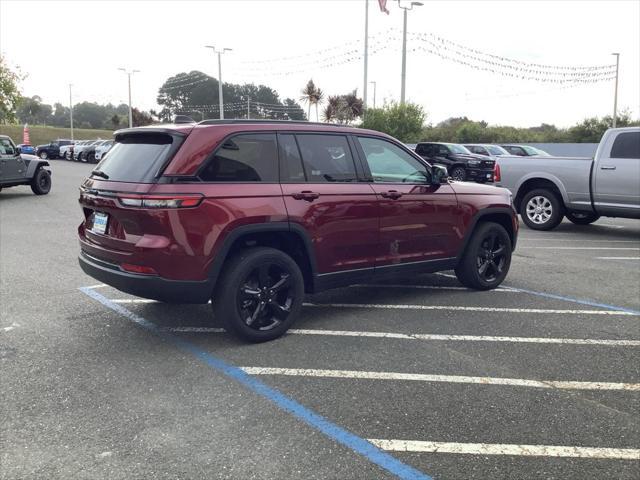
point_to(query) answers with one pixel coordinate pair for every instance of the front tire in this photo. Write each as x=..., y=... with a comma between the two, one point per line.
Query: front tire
x=541, y=209
x=459, y=174
x=43, y=155
x=67, y=155
x=580, y=218
x=487, y=258
x=259, y=294
x=41, y=182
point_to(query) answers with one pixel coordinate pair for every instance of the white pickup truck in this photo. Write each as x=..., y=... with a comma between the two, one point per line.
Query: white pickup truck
x=545, y=189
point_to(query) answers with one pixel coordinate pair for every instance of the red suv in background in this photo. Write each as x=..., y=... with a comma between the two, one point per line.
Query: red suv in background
x=253, y=214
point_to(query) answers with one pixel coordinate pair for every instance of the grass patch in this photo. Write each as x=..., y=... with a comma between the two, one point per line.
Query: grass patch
x=40, y=135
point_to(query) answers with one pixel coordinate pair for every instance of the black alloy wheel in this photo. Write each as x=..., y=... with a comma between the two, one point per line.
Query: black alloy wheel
x=259, y=294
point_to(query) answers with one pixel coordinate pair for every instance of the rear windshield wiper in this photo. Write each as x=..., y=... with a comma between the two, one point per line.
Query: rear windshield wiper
x=99, y=173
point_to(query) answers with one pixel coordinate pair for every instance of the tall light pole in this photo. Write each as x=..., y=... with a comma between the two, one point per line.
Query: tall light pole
x=374, y=93
x=404, y=47
x=71, y=110
x=366, y=52
x=615, y=95
x=219, y=52
x=129, y=73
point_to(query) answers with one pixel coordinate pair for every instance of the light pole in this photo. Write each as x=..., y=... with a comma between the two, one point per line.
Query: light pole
x=219, y=52
x=71, y=110
x=129, y=73
x=615, y=95
x=248, y=99
x=366, y=52
x=404, y=47
x=374, y=93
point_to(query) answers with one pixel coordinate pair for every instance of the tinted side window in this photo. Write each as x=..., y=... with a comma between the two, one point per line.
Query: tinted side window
x=327, y=158
x=422, y=150
x=290, y=160
x=244, y=158
x=6, y=147
x=389, y=163
x=626, y=145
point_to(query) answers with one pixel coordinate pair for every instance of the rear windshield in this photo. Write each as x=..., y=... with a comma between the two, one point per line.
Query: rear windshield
x=136, y=158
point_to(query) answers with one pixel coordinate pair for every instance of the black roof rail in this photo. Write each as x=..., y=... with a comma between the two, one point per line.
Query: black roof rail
x=267, y=121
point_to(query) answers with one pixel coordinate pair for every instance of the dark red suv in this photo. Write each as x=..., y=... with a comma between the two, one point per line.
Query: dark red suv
x=253, y=214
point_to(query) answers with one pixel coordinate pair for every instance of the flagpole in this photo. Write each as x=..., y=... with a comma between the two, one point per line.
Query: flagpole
x=366, y=52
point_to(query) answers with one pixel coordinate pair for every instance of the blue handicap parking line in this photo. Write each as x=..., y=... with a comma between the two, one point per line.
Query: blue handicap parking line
x=338, y=434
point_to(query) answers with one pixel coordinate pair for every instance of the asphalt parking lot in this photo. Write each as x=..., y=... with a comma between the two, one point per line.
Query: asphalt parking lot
x=539, y=379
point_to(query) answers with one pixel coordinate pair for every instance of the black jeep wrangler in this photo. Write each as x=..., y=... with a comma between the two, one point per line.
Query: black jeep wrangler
x=17, y=169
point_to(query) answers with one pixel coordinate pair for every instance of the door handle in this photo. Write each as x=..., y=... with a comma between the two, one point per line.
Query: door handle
x=607, y=167
x=392, y=194
x=306, y=195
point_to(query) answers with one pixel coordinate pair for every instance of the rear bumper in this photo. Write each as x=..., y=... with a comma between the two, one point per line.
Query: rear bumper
x=146, y=286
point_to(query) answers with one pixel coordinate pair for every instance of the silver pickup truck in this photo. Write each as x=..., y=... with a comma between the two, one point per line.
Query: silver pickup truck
x=545, y=189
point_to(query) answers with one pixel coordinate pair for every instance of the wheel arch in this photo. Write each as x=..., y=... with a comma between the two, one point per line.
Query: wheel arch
x=535, y=181
x=33, y=167
x=501, y=215
x=292, y=239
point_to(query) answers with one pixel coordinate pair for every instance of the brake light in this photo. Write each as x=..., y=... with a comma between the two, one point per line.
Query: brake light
x=160, y=201
x=129, y=267
x=496, y=172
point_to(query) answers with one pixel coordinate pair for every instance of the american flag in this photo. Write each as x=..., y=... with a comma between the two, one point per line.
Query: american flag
x=25, y=135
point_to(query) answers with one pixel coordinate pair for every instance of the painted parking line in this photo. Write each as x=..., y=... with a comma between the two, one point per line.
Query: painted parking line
x=454, y=308
x=430, y=336
x=427, y=287
x=100, y=285
x=618, y=258
x=336, y=433
x=586, y=248
x=553, y=239
x=424, y=377
x=506, y=449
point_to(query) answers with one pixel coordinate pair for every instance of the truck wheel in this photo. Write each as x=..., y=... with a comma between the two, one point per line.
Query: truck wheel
x=580, y=218
x=259, y=294
x=43, y=155
x=41, y=182
x=486, y=260
x=541, y=209
x=459, y=174
x=67, y=155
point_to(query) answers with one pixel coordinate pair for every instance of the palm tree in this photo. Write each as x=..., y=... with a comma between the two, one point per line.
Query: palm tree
x=309, y=95
x=318, y=98
x=332, y=109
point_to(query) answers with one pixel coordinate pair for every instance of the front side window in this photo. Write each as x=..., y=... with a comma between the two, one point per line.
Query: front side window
x=244, y=158
x=626, y=145
x=6, y=147
x=389, y=163
x=457, y=148
x=327, y=158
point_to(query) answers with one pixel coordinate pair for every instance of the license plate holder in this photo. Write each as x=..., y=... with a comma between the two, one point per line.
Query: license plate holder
x=100, y=221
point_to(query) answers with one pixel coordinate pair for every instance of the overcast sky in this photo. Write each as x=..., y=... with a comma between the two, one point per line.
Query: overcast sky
x=84, y=42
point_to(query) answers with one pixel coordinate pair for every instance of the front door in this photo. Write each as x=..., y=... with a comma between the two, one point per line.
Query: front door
x=323, y=196
x=12, y=167
x=418, y=220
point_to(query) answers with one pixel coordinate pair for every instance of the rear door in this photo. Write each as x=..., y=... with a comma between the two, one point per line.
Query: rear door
x=617, y=175
x=419, y=222
x=323, y=195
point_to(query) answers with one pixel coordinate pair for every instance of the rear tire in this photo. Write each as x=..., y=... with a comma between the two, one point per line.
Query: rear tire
x=541, y=209
x=259, y=294
x=459, y=174
x=487, y=258
x=41, y=182
x=580, y=218
x=67, y=155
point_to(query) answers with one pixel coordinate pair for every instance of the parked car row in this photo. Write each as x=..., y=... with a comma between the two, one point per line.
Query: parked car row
x=90, y=151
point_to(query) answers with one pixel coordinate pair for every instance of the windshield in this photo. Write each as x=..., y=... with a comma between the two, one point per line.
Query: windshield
x=534, y=151
x=136, y=158
x=455, y=148
x=496, y=150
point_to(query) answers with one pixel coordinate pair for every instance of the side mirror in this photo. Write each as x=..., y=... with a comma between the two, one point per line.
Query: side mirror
x=439, y=174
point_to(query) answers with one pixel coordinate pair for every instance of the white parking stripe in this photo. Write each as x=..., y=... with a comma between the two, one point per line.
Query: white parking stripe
x=468, y=309
x=134, y=300
x=429, y=287
x=429, y=336
x=422, y=377
x=505, y=449
x=100, y=285
x=618, y=258
x=554, y=239
x=586, y=248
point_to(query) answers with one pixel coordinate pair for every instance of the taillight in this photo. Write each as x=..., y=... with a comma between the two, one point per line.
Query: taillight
x=496, y=172
x=160, y=201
